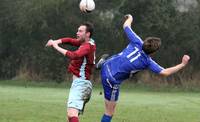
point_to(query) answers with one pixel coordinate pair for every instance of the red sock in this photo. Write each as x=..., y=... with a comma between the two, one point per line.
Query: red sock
x=73, y=119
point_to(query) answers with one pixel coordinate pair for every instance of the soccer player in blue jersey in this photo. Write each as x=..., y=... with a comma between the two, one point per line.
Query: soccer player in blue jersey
x=135, y=57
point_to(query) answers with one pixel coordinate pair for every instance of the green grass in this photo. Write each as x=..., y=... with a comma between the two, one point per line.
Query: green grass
x=40, y=103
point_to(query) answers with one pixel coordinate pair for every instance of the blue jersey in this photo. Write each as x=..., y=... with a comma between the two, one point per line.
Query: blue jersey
x=132, y=59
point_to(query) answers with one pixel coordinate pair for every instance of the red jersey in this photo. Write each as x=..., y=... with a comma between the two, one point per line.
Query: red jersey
x=83, y=59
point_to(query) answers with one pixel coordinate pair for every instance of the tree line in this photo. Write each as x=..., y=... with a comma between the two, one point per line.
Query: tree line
x=25, y=27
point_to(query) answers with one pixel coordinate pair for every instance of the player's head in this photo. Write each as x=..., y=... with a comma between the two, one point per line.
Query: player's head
x=151, y=45
x=89, y=28
x=85, y=30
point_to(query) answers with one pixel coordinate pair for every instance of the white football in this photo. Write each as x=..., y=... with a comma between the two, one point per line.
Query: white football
x=87, y=5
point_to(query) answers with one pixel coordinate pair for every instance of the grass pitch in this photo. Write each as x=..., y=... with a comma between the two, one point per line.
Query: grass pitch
x=48, y=104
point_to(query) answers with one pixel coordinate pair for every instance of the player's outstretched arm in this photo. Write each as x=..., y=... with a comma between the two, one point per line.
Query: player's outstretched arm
x=132, y=36
x=54, y=44
x=174, y=69
x=128, y=20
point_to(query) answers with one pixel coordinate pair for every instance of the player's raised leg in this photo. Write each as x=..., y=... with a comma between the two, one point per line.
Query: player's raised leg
x=101, y=60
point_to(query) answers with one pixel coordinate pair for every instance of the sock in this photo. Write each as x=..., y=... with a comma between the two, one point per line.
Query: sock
x=106, y=118
x=73, y=119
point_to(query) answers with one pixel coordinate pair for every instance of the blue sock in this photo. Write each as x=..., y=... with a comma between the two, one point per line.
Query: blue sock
x=106, y=118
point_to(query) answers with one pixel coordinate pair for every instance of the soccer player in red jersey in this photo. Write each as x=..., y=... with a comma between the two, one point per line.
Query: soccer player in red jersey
x=82, y=62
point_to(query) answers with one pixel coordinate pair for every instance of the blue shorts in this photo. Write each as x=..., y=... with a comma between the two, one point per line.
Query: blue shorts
x=111, y=89
x=80, y=93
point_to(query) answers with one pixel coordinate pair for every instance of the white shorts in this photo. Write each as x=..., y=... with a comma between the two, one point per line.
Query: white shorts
x=80, y=93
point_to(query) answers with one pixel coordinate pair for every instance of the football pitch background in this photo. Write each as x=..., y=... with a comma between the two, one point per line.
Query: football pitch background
x=20, y=103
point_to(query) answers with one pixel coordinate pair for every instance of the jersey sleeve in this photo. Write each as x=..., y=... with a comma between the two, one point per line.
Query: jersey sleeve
x=154, y=67
x=132, y=36
x=82, y=51
x=71, y=41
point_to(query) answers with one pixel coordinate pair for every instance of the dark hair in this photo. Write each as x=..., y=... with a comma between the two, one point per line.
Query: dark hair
x=151, y=45
x=89, y=27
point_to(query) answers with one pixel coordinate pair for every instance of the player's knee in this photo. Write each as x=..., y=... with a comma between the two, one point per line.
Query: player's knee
x=71, y=112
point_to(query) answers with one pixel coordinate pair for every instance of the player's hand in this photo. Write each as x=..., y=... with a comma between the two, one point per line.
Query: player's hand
x=185, y=59
x=54, y=44
x=49, y=43
x=128, y=20
x=128, y=16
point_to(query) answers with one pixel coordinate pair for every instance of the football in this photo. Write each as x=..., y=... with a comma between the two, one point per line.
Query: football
x=87, y=5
